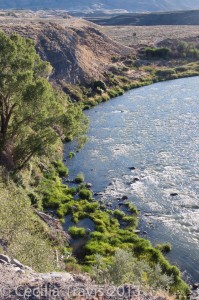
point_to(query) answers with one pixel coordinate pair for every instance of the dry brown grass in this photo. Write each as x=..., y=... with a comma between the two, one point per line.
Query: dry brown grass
x=149, y=35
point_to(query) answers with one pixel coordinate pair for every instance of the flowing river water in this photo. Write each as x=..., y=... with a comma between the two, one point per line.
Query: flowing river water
x=156, y=130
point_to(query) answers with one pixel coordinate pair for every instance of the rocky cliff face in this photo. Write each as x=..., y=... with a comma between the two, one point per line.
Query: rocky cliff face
x=78, y=51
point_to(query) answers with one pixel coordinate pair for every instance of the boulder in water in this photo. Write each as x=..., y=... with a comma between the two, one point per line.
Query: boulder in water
x=173, y=194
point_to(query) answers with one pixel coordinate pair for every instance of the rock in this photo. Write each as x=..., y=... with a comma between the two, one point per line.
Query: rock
x=88, y=185
x=147, y=214
x=125, y=197
x=3, y=262
x=28, y=268
x=195, y=286
x=144, y=232
x=20, y=271
x=136, y=179
x=132, y=168
x=136, y=231
x=5, y=258
x=174, y=194
x=17, y=270
x=120, y=203
x=17, y=263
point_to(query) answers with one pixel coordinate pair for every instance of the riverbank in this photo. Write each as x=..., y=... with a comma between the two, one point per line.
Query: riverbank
x=143, y=75
x=40, y=187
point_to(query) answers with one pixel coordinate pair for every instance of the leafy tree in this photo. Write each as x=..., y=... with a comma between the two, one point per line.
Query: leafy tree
x=32, y=114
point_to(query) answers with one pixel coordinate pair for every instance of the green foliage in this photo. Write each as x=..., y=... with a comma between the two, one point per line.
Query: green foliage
x=53, y=192
x=79, y=178
x=105, y=97
x=119, y=214
x=162, y=53
x=77, y=232
x=187, y=50
x=112, y=93
x=91, y=207
x=61, y=169
x=130, y=221
x=71, y=155
x=164, y=248
x=35, y=115
x=94, y=247
x=131, y=208
x=85, y=194
x=25, y=236
x=126, y=268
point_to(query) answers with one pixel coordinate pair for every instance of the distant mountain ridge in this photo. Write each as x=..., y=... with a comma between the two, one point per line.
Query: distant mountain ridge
x=129, y=5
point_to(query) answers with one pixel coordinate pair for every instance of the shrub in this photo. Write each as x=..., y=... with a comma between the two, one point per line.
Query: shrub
x=157, y=52
x=130, y=220
x=119, y=91
x=79, y=178
x=91, y=207
x=165, y=72
x=126, y=268
x=62, y=210
x=131, y=208
x=86, y=107
x=164, y=248
x=99, y=247
x=98, y=236
x=105, y=97
x=77, y=232
x=53, y=193
x=85, y=194
x=119, y=214
x=112, y=93
x=73, y=191
x=141, y=246
x=61, y=168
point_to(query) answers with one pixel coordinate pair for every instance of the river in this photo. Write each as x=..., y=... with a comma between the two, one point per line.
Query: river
x=156, y=130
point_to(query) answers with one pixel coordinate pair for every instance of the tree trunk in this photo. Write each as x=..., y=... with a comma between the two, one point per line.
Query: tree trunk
x=6, y=156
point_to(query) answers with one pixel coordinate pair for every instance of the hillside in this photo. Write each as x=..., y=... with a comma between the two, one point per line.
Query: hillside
x=150, y=19
x=77, y=50
x=129, y=5
x=82, y=52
